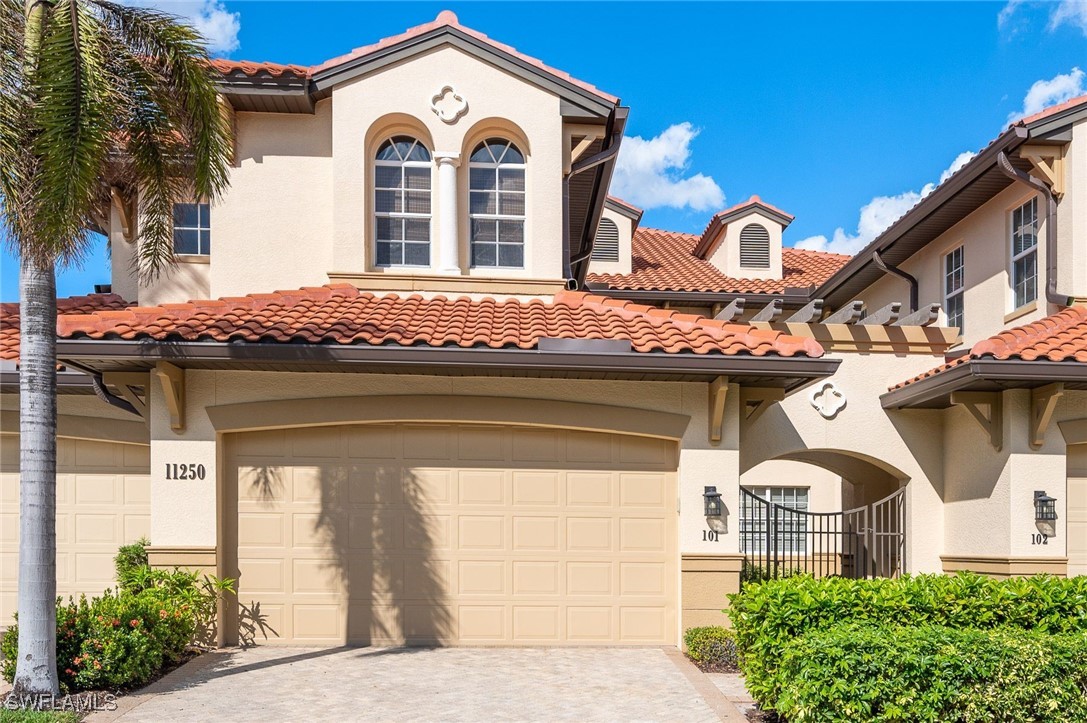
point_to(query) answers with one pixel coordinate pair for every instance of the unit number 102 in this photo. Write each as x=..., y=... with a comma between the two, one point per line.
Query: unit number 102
x=185, y=471
x=1039, y=539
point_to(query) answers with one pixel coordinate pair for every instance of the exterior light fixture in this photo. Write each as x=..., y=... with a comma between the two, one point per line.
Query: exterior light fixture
x=1045, y=514
x=713, y=502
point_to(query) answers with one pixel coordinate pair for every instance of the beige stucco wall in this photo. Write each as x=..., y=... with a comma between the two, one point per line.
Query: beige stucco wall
x=824, y=487
x=272, y=229
x=626, y=232
x=984, y=235
x=725, y=254
x=1072, y=218
x=498, y=104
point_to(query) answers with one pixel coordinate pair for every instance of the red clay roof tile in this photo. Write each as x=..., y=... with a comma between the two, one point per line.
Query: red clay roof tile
x=665, y=261
x=9, y=317
x=1052, y=110
x=252, y=68
x=341, y=314
x=1060, y=337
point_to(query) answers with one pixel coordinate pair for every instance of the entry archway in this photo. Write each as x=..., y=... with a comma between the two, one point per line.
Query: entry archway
x=823, y=512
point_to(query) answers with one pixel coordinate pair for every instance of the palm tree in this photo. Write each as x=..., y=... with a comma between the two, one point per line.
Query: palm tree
x=94, y=96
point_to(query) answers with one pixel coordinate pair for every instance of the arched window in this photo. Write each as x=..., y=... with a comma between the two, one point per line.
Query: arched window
x=755, y=247
x=606, y=246
x=496, y=204
x=402, y=203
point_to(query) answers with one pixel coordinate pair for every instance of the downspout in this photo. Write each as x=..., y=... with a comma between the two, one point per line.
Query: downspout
x=1036, y=184
x=887, y=268
x=102, y=392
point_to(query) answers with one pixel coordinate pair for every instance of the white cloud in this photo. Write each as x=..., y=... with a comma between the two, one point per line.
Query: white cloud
x=1073, y=12
x=210, y=18
x=878, y=214
x=1070, y=12
x=650, y=173
x=1044, y=93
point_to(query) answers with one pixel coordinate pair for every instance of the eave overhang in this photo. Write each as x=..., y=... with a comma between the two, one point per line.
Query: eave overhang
x=984, y=375
x=103, y=355
x=962, y=194
x=792, y=298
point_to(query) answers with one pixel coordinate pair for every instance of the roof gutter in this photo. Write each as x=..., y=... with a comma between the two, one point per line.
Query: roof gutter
x=1038, y=185
x=1007, y=373
x=911, y=280
x=446, y=360
x=703, y=298
x=1009, y=140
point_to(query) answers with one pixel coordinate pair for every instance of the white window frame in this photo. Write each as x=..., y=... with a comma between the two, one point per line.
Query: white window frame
x=1024, y=254
x=766, y=492
x=428, y=217
x=203, y=224
x=959, y=292
x=497, y=216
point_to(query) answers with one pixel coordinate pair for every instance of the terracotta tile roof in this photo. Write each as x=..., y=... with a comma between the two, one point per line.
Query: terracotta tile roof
x=753, y=201
x=341, y=314
x=446, y=18
x=250, y=68
x=1060, y=337
x=665, y=261
x=1052, y=110
x=9, y=317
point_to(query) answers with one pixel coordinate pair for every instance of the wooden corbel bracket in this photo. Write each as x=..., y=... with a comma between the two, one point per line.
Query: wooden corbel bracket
x=756, y=400
x=718, y=397
x=172, y=379
x=1043, y=400
x=993, y=422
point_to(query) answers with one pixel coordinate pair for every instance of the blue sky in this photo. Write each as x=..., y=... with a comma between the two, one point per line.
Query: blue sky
x=839, y=113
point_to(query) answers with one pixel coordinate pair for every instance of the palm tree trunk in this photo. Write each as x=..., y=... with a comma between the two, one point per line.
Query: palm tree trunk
x=36, y=671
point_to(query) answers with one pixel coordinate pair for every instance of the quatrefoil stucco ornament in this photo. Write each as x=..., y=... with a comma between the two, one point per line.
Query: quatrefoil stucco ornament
x=827, y=399
x=448, y=105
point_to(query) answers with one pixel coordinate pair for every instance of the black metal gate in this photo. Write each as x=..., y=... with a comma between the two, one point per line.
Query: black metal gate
x=778, y=541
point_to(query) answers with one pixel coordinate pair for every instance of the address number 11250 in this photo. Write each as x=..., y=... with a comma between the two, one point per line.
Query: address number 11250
x=185, y=471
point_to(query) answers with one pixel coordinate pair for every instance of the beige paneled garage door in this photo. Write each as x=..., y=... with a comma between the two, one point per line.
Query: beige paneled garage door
x=103, y=502
x=1077, y=510
x=455, y=534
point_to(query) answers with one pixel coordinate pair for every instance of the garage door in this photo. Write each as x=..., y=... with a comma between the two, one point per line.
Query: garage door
x=1077, y=510
x=455, y=534
x=103, y=502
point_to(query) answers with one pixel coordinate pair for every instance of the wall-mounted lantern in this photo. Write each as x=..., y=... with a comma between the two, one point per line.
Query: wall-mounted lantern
x=1045, y=513
x=713, y=502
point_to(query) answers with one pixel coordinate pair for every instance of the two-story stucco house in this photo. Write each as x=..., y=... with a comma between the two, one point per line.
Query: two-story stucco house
x=418, y=377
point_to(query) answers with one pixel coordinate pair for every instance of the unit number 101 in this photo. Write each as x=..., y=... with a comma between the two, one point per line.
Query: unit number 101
x=709, y=536
x=185, y=471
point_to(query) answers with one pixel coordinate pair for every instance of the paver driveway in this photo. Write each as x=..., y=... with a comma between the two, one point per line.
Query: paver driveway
x=464, y=684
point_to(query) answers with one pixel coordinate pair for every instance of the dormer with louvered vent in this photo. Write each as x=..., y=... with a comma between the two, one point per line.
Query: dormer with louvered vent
x=744, y=241
x=611, y=249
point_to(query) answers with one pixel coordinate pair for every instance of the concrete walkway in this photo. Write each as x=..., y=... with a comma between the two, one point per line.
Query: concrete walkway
x=447, y=684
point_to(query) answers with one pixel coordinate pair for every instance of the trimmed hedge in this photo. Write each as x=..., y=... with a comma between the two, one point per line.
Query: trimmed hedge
x=767, y=616
x=711, y=647
x=933, y=673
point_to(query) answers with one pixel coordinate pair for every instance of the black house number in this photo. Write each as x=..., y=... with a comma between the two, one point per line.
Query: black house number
x=709, y=536
x=185, y=471
x=1039, y=539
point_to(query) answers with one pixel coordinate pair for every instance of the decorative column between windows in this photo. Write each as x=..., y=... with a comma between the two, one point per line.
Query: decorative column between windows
x=448, y=223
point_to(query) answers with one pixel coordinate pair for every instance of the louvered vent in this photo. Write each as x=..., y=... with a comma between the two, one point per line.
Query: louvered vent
x=755, y=247
x=606, y=246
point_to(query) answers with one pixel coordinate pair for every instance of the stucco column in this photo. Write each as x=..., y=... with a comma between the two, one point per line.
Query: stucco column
x=448, y=243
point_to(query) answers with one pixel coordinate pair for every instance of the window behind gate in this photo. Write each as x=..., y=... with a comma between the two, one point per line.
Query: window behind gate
x=792, y=529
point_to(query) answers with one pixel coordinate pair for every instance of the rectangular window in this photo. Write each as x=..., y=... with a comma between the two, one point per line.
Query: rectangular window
x=192, y=229
x=1024, y=253
x=954, y=286
x=793, y=529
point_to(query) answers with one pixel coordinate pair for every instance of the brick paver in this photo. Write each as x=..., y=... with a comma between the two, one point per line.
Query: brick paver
x=462, y=684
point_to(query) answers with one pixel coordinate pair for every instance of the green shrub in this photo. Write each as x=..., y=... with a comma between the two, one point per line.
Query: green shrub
x=888, y=673
x=127, y=636
x=711, y=647
x=766, y=616
x=130, y=560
